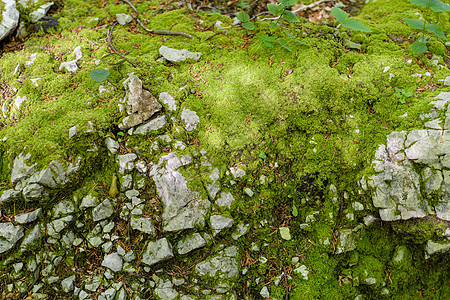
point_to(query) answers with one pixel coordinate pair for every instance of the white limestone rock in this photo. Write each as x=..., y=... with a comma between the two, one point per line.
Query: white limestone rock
x=219, y=223
x=113, y=262
x=29, y=217
x=157, y=251
x=190, y=119
x=190, y=243
x=9, y=236
x=167, y=99
x=10, y=18
x=175, y=55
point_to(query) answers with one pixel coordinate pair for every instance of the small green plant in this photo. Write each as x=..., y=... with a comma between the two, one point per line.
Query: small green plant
x=281, y=11
x=99, y=75
x=111, y=135
x=420, y=45
x=294, y=210
x=120, y=133
x=402, y=96
x=345, y=21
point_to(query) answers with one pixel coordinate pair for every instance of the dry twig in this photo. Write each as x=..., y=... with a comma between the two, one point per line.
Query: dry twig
x=158, y=32
x=110, y=45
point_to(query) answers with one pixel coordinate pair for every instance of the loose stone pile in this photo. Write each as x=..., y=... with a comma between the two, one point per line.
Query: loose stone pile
x=80, y=225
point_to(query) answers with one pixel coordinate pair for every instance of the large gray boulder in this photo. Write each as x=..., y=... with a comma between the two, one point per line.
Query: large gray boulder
x=412, y=180
x=399, y=186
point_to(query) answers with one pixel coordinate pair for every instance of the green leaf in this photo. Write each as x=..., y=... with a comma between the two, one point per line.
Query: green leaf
x=436, y=29
x=262, y=155
x=414, y=24
x=273, y=27
x=350, y=44
x=407, y=95
x=268, y=45
x=438, y=6
x=280, y=9
x=418, y=47
x=290, y=17
x=243, y=5
x=294, y=38
x=283, y=44
x=339, y=14
x=419, y=2
x=120, y=133
x=99, y=74
x=435, y=5
x=266, y=38
x=243, y=16
x=272, y=8
x=288, y=2
x=248, y=25
x=294, y=210
x=355, y=25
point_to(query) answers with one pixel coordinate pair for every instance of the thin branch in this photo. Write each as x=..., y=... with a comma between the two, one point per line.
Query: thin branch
x=309, y=6
x=164, y=32
x=158, y=32
x=110, y=36
x=132, y=6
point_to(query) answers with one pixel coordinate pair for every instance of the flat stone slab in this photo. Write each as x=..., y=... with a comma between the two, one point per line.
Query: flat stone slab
x=224, y=265
x=190, y=243
x=113, y=262
x=157, y=252
x=9, y=236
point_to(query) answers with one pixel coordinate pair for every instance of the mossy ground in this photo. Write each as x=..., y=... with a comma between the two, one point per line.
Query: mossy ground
x=317, y=114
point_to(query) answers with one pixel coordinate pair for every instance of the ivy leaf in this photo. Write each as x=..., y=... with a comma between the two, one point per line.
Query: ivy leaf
x=414, y=24
x=288, y=2
x=243, y=17
x=436, y=29
x=248, y=25
x=272, y=8
x=418, y=47
x=99, y=74
x=294, y=210
x=435, y=5
x=290, y=17
x=283, y=44
x=355, y=25
x=339, y=14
